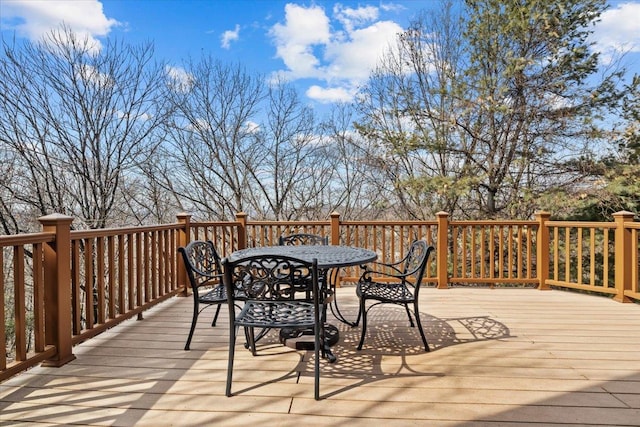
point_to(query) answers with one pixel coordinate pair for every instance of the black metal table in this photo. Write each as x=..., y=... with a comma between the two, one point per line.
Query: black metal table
x=328, y=257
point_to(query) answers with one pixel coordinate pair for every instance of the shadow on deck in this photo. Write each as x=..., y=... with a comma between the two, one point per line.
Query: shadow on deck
x=499, y=357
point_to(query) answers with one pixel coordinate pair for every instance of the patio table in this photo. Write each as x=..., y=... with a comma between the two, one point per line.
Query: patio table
x=328, y=257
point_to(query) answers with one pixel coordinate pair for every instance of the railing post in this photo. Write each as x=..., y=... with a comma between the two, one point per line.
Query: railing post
x=184, y=237
x=241, y=217
x=442, y=250
x=335, y=228
x=335, y=240
x=542, y=250
x=623, y=248
x=57, y=288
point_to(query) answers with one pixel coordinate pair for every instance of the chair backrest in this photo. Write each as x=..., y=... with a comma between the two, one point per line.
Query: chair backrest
x=303, y=239
x=268, y=277
x=415, y=262
x=201, y=261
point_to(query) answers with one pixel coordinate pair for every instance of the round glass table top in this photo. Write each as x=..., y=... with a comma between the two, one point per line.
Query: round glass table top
x=328, y=256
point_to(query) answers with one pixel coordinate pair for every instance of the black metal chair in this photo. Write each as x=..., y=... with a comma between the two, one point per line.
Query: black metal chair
x=395, y=283
x=325, y=276
x=268, y=285
x=204, y=269
x=303, y=239
x=299, y=239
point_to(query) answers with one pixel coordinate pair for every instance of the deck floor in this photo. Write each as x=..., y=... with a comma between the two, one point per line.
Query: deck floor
x=499, y=357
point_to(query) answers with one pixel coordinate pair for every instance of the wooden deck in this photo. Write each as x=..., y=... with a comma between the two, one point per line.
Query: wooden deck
x=499, y=357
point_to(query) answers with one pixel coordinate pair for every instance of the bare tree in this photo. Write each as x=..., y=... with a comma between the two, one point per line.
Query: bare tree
x=11, y=213
x=295, y=171
x=237, y=144
x=77, y=120
x=211, y=145
x=354, y=189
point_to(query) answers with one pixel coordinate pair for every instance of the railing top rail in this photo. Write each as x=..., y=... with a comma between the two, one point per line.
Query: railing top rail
x=214, y=223
x=635, y=225
x=390, y=222
x=493, y=222
x=26, y=239
x=282, y=223
x=107, y=232
x=581, y=224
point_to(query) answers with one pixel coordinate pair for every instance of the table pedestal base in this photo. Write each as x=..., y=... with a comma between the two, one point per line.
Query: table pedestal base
x=303, y=339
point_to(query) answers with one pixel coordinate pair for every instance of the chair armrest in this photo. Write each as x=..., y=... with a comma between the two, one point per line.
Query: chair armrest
x=377, y=267
x=390, y=264
x=211, y=280
x=382, y=270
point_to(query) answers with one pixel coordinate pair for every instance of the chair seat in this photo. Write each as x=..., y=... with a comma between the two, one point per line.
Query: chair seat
x=276, y=314
x=385, y=292
x=216, y=295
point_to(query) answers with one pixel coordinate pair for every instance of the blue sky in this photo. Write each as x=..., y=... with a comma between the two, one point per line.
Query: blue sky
x=326, y=47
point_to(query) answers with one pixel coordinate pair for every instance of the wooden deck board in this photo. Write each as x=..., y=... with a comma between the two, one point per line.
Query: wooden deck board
x=499, y=357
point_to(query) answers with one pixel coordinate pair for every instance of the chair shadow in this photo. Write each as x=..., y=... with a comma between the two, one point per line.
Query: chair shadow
x=441, y=333
x=388, y=334
x=388, y=330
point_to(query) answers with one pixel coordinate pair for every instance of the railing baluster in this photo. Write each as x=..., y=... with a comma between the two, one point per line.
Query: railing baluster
x=19, y=304
x=567, y=254
x=592, y=256
x=38, y=299
x=90, y=311
x=3, y=335
x=76, y=294
x=111, y=305
x=140, y=269
x=122, y=284
x=456, y=247
x=579, y=258
x=130, y=265
x=100, y=269
x=605, y=259
x=465, y=259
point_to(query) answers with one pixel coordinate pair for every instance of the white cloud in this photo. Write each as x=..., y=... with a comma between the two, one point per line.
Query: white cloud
x=392, y=7
x=179, y=79
x=303, y=29
x=618, y=31
x=351, y=18
x=252, y=127
x=91, y=75
x=143, y=117
x=354, y=58
x=329, y=95
x=342, y=55
x=228, y=36
x=34, y=18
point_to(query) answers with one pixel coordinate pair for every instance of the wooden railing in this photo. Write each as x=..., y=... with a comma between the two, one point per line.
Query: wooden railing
x=119, y=273
x=493, y=253
x=64, y=286
x=599, y=257
x=67, y=286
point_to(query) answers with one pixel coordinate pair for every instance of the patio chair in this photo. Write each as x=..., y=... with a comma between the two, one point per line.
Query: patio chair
x=396, y=283
x=298, y=239
x=303, y=239
x=326, y=276
x=203, y=267
x=268, y=284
